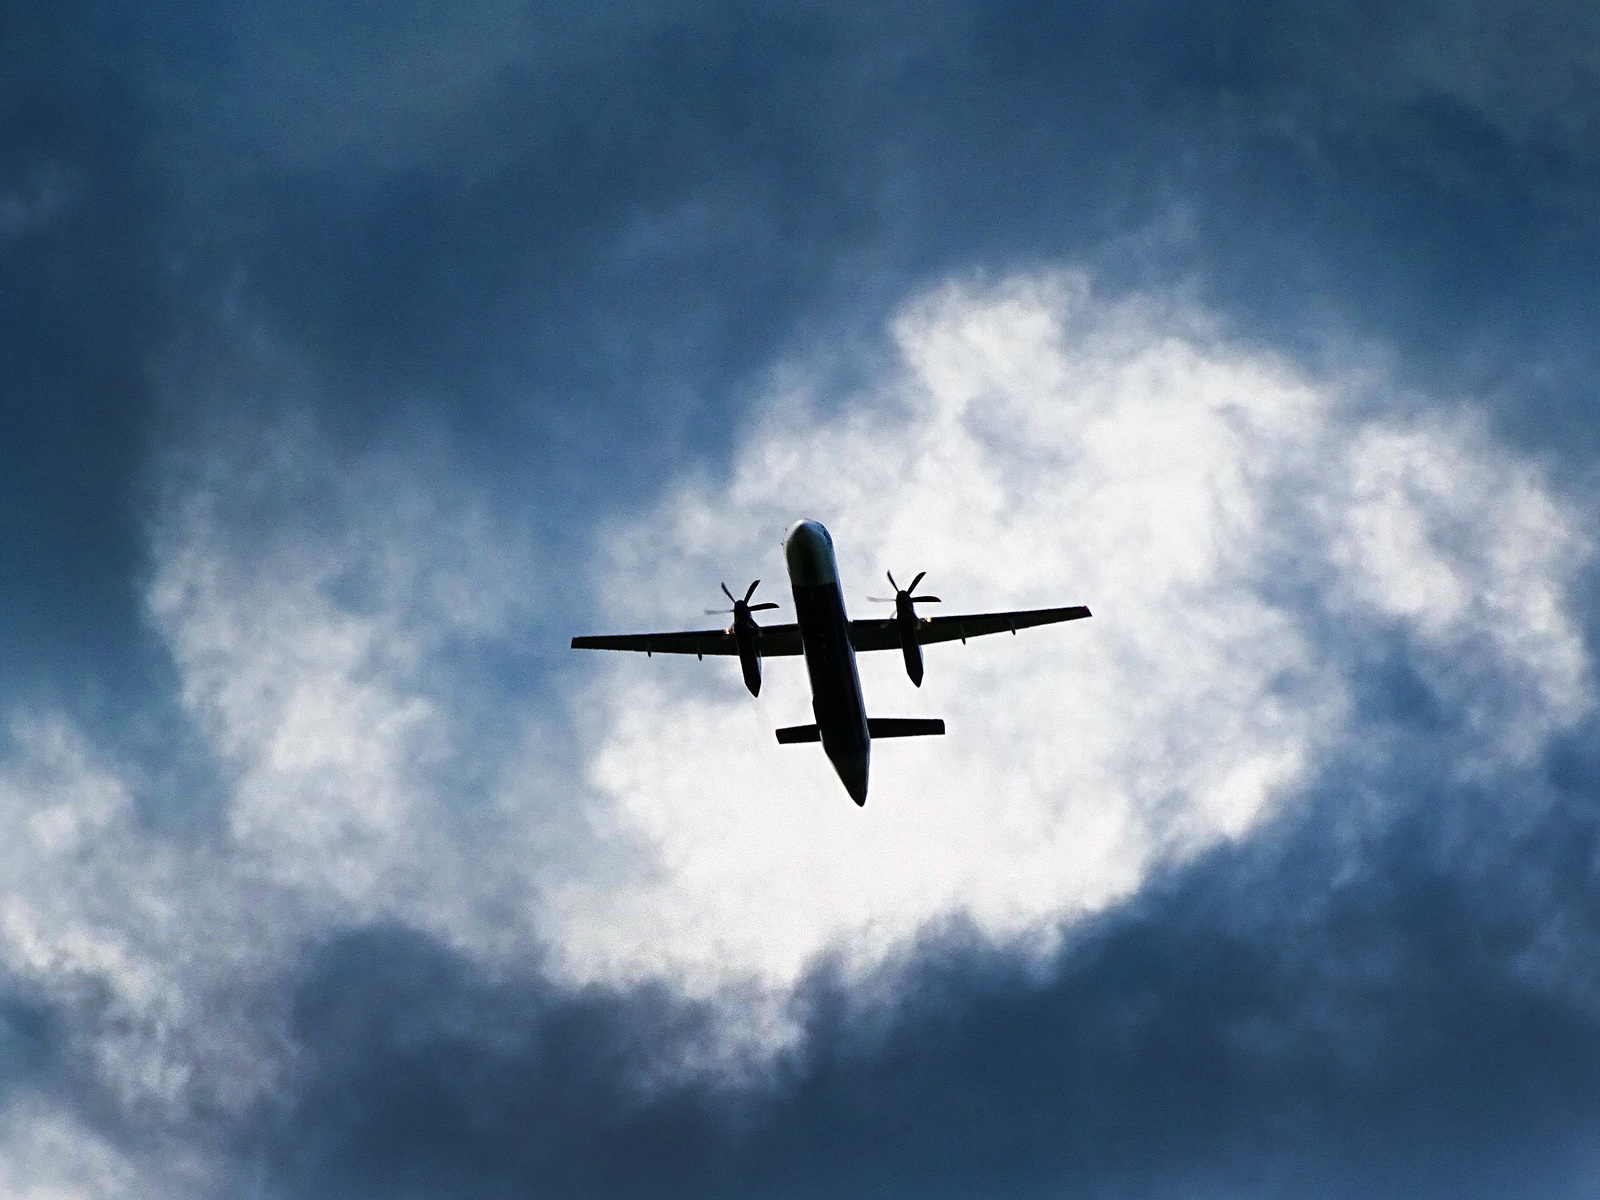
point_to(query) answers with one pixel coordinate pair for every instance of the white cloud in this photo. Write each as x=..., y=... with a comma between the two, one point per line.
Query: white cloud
x=1433, y=529
x=317, y=663
x=303, y=655
x=1240, y=530
x=111, y=924
x=47, y=1154
x=1038, y=446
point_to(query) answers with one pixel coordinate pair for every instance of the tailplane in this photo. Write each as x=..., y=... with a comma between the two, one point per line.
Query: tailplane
x=877, y=727
x=887, y=727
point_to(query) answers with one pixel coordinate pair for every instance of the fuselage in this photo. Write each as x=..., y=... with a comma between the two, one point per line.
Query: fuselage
x=836, y=701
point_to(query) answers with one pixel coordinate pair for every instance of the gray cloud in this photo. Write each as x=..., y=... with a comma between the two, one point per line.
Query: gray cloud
x=346, y=982
x=630, y=220
x=79, y=217
x=1280, y=1018
x=559, y=254
x=584, y=237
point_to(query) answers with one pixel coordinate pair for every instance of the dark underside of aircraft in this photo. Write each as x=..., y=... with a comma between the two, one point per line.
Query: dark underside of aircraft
x=829, y=640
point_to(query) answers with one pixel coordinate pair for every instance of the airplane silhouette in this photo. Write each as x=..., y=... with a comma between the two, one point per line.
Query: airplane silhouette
x=830, y=640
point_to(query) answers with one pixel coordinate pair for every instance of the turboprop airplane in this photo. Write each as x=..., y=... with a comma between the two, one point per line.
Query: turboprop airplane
x=829, y=640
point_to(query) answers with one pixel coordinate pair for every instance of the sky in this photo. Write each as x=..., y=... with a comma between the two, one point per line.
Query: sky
x=353, y=358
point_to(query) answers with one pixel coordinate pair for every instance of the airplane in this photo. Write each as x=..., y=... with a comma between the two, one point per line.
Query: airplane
x=829, y=640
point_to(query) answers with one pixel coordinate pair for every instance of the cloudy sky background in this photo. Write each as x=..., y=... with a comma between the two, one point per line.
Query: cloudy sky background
x=356, y=359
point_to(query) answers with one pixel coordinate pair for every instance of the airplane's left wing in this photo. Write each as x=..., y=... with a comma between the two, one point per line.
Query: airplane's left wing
x=883, y=633
x=771, y=640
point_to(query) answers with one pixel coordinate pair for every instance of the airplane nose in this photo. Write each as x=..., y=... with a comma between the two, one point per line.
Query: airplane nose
x=808, y=551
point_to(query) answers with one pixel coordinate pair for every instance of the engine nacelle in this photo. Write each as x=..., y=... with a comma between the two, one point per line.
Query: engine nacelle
x=905, y=615
x=744, y=637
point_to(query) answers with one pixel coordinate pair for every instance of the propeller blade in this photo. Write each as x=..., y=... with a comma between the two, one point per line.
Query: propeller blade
x=759, y=607
x=916, y=581
x=717, y=612
x=881, y=599
x=892, y=583
x=926, y=600
x=728, y=594
x=751, y=591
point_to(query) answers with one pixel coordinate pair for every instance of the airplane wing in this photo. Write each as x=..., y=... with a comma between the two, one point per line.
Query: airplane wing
x=775, y=641
x=882, y=633
x=772, y=640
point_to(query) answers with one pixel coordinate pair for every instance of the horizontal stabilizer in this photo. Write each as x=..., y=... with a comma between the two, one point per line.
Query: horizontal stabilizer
x=798, y=733
x=882, y=727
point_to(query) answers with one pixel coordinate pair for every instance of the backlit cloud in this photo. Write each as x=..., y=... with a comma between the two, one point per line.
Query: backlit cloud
x=1254, y=541
x=1244, y=533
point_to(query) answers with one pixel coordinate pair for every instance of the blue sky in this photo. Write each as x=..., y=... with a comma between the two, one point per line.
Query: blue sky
x=356, y=358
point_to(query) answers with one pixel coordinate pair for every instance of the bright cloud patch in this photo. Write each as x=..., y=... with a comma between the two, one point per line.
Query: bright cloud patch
x=1247, y=541
x=50, y=1155
x=1241, y=535
x=323, y=668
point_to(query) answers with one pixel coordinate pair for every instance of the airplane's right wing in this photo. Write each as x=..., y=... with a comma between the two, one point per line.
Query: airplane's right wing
x=883, y=633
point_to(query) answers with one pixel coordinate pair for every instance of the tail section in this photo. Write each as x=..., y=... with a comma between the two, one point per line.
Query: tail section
x=850, y=762
x=888, y=727
x=877, y=727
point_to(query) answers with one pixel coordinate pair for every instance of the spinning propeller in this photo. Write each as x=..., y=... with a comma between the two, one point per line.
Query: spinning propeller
x=745, y=633
x=744, y=605
x=905, y=592
x=905, y=617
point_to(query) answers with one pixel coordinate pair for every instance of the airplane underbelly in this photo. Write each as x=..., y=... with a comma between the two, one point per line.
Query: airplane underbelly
x=830, y=663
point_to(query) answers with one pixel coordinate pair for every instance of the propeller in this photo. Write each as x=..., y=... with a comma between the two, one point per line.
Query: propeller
x=906, y=592
x=740, y=604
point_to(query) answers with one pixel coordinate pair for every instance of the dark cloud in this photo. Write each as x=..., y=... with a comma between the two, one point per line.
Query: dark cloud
x=1328, y=1010
x=593, y=252
x=31, y=1040
x=77, y=316
x=573, y=244
x=566, y=255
